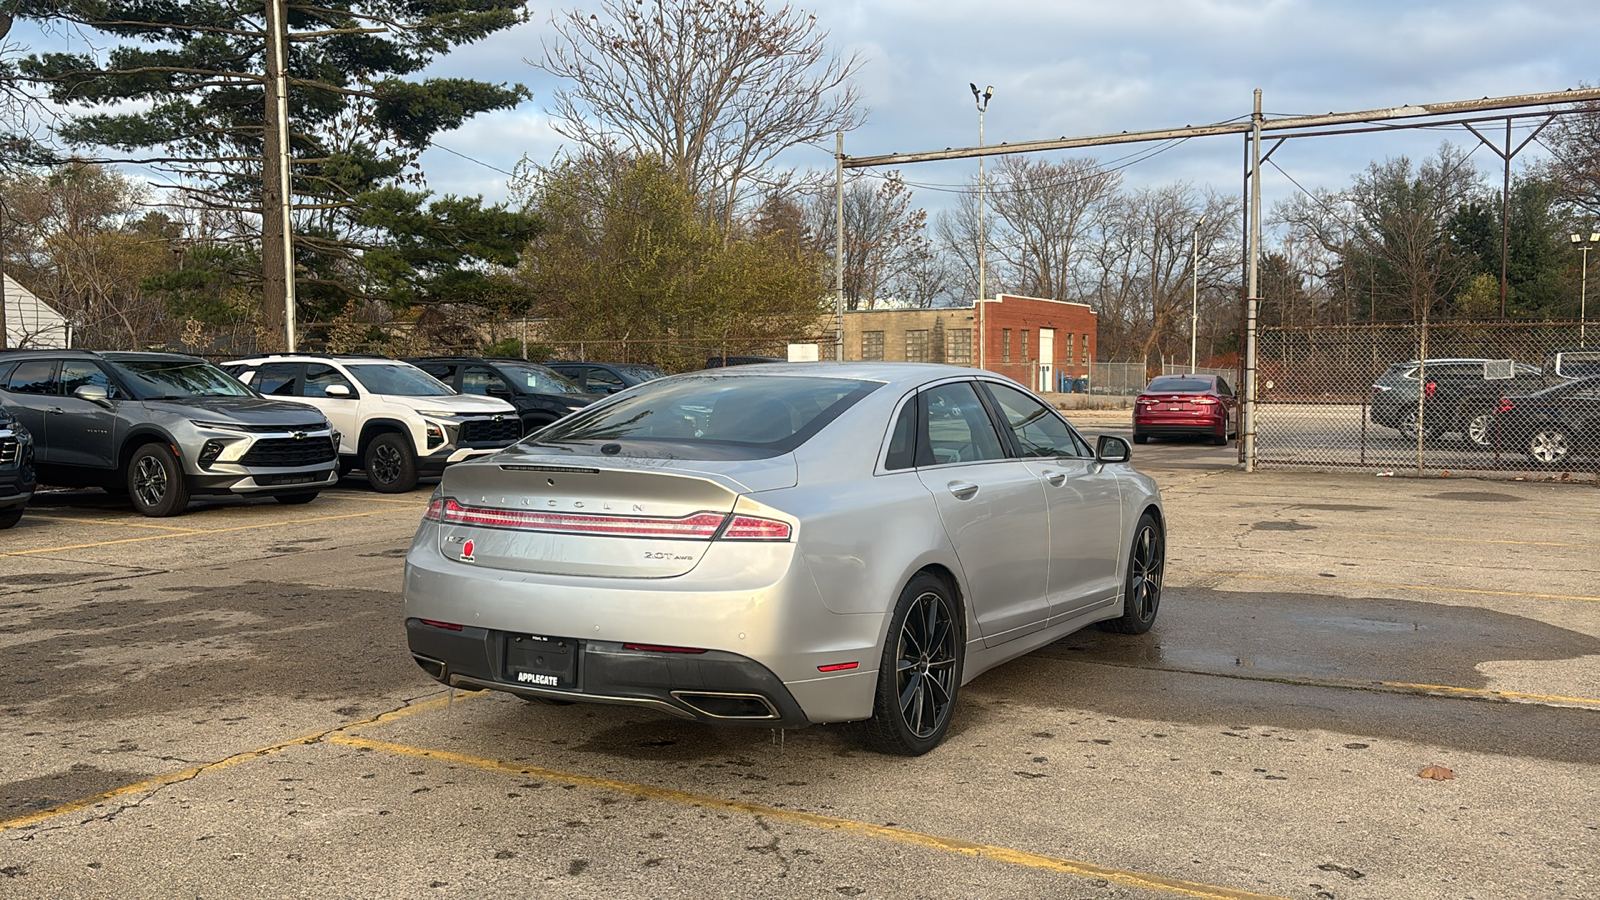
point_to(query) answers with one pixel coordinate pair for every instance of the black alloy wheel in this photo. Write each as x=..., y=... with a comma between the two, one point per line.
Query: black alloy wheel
x=390, y=465
x=1482, y=429
x=1141, y=592
x=920, y=674
x=1408, y=426
x=155, y=482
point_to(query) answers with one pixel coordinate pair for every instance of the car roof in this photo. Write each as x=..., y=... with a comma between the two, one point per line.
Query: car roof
x=113, y=355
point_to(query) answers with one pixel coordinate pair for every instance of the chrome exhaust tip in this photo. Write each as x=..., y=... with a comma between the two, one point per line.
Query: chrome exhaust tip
x=719, y=705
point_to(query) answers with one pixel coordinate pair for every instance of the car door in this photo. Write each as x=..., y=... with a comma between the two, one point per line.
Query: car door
x=343, y=412
x=84, y=433
x=1084, y=499
x=1230, y=403
x=32, y=390
x=992, y=507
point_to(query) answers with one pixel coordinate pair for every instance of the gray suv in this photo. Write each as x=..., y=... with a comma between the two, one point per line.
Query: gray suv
x=162, y=427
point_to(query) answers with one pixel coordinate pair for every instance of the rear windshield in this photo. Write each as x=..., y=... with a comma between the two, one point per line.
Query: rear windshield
x=1179, y=385
x=702, y=417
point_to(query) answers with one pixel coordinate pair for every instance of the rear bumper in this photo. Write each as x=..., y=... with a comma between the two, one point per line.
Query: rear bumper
x=1178, y=423
x=714, y=686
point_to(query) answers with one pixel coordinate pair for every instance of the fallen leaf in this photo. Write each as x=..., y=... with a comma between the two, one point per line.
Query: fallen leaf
x=1437, y=773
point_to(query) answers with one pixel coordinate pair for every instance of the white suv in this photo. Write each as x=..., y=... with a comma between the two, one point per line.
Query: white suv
x=396, y=422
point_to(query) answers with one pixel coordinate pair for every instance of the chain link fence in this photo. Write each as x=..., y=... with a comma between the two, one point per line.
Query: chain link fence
x=1508, y=397
x=1127, y=379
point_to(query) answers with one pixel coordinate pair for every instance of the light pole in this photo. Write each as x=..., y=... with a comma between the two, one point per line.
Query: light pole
x=1194, y=295
x=1583, y=290
x=982, y=101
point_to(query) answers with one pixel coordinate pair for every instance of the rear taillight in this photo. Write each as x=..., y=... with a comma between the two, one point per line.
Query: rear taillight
x=1429, y=388
x=701, y=526
x=1204, y=401
x=1505, y=406
x=1147, y=401
x=751, y=528
x=448, y=626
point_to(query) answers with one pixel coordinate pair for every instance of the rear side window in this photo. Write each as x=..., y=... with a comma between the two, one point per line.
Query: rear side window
x=903, y=440
x=36, y=376
x=276, y=379
x=720, y=418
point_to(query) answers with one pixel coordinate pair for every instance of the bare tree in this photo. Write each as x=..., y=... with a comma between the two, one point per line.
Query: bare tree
x=716, y=89
x=885, y=237
x=1042, y=211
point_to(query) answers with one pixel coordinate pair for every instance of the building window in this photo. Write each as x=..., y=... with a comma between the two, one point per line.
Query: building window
x=1086, y=349
x=917, y=345
x=1025, y=349
x=1005, y=345
x=958, y=347
x=872, y=345
x=1071, y=338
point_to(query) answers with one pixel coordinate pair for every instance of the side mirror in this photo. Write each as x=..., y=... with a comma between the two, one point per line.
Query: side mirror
x=498, y=390
x=336, y=390
x=93, y=393
x=1112, y=449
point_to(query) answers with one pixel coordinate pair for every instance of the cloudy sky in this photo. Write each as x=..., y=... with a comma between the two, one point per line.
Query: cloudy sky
x=1074, y=68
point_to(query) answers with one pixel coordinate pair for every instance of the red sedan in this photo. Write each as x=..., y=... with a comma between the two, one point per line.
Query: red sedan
x=1186, y=405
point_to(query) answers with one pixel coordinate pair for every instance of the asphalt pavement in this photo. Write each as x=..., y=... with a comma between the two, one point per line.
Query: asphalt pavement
x=1359, y=687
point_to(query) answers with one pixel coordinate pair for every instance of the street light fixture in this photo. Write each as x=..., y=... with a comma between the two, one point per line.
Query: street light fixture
x=982, y=101
x=1194, y=295
x=1583, y=290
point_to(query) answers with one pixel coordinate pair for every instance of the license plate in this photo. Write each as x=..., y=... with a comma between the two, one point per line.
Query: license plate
x=539, y=661
x=1175, y=407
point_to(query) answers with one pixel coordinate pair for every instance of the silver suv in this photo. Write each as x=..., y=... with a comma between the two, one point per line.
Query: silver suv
x=398, y=421
x=162, y=427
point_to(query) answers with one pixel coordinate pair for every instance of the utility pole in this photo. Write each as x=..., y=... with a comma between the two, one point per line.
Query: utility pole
x=838, y=251
x=5, y=323
x=277, y=194
x=1252, y=301
x=1194, y=296
x=982, y=101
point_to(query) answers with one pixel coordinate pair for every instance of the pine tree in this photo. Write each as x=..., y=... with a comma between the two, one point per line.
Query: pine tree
x=184, y=89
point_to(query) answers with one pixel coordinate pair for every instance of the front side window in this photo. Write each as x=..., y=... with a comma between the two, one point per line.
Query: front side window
x=1039, y=431
x=321, y=376
x=399, y=379
x=177, y=379
x=479, y=380
x=76, y=373
x=748, y=417
x=957, y=426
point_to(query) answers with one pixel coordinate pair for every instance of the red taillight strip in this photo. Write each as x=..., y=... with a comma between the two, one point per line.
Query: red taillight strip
x=750, y=528
x=449, y=626
x=698, y=526
x=838, y=667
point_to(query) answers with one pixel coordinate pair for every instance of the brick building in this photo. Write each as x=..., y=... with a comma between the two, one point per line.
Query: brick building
x=1042, y=343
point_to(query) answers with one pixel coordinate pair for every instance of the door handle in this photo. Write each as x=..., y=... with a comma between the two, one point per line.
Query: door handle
x=57, y=411
x=963, y=490
x=1056, y=479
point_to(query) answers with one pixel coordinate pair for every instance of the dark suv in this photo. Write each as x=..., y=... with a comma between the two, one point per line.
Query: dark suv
x=163, y=426
x=606, y=378
x=540, y=394
x=1458, y=395
x=16, y=468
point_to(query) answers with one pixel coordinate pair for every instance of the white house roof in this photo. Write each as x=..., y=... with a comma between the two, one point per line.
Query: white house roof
x=30, y=322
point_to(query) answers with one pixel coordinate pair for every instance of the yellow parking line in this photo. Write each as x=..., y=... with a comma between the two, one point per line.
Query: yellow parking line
x=1456, y=540
x=73, y=519
x=1384, y=584
x=190, y=533
x=161, y=781
x=831, y=823
x=1483, y=692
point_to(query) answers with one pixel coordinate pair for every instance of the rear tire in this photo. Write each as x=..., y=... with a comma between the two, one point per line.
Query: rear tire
x=155, y=482
x=920, y=673
x=390, y=464
x=1480, y=429
x=1221, y=439
x=1139, y=438
x=10, y=517
x=1141, y=591
x=1408, y=426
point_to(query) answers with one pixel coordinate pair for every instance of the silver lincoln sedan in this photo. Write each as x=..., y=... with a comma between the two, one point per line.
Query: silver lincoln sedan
x=783, y=545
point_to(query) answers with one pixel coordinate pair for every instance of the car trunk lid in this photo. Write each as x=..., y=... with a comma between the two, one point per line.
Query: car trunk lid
x=534, y=512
